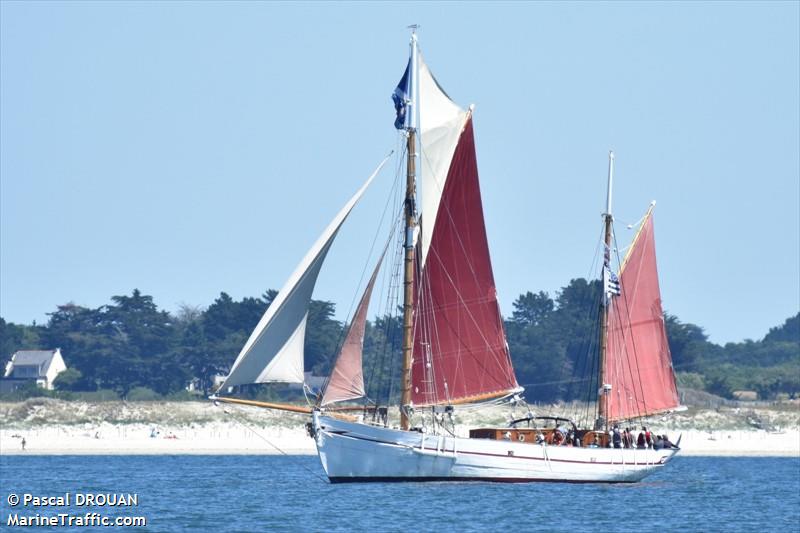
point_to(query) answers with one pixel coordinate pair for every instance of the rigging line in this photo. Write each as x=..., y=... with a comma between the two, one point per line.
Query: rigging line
x=390, y=326
x=617, y=328
x=262, y=437
x=543, y=383
x=425, y=340
x=455, y=227
x=589, y=365
x=377, y=361
x=487, y=345
x=585, y=349
x=425, y=288
x=380, y=351
x=395, y=324
x=468, y=262
x=460, y=241
x=346, y=331
x=348, y=316
x=459, y=368
x=591, y=360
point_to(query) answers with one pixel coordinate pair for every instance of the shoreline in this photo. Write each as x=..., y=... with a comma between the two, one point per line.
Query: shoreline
x=56, y=427
x=235, y=439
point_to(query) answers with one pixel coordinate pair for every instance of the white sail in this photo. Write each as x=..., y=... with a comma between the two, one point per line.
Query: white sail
x=274, y=351
x=441, y=122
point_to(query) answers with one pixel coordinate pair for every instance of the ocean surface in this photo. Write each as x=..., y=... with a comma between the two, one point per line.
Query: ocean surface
x=288, y=493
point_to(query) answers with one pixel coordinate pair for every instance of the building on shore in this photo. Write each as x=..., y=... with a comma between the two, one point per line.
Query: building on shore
x=39, y=366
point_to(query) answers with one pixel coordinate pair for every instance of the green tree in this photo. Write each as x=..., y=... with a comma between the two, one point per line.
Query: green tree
x=687, y=342
x=69, y=379
x=788, y=332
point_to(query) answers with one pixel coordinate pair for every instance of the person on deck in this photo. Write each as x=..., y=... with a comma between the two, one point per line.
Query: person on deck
x=616, y=437
x=627, y=438
x=558, y=436
x=667, y=443
x=648, y=437
x=640, y=440
x=658, y=443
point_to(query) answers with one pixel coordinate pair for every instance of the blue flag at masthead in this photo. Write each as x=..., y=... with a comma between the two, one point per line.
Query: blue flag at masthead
x=401, y=97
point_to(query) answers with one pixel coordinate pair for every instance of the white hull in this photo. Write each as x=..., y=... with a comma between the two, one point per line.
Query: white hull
x=359, y=452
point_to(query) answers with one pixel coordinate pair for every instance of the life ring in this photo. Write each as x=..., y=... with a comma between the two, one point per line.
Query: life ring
x=521, y=437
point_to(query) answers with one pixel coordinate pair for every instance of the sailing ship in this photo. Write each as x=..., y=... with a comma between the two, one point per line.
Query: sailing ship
x=454, y=349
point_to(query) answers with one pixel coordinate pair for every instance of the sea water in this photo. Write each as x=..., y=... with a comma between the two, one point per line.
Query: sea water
x=289, y=493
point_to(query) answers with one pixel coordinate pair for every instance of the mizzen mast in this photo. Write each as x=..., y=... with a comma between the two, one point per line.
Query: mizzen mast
x=410, y=231
x=605, y=388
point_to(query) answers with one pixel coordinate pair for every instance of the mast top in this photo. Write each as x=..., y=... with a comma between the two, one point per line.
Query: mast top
x=413, y=86
x=607, y=214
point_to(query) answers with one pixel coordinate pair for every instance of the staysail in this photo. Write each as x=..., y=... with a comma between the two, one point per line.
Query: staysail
x=460, y=350
x=638, y=361
x=347, y=377
x=274, y=351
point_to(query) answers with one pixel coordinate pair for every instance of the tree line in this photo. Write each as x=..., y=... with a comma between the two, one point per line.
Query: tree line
x=130, y=344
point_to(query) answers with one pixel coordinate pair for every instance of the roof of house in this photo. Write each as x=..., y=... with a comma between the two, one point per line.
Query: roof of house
x=33, y=357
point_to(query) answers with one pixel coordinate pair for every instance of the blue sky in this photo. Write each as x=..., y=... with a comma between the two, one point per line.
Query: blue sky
x=190, y=148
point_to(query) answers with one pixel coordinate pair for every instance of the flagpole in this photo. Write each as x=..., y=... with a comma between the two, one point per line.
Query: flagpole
x=410, y=227
x=604, y=392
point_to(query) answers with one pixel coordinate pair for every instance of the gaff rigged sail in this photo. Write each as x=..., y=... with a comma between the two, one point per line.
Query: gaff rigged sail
x=460, y=350
x=638, y=361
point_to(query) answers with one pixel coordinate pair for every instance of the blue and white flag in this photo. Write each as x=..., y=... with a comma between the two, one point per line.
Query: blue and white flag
x=610, y=282
x=401, y=97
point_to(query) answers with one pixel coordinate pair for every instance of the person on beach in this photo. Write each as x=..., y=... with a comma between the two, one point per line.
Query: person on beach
x=24, y=442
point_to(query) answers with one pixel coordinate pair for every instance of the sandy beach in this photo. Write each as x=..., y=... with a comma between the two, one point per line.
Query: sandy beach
x=52, y=427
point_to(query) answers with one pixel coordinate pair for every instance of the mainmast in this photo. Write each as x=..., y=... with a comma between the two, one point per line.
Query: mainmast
x=605, y=388
x=410, y=230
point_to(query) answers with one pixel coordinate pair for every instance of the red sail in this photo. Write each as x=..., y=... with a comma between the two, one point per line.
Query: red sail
x=347, y=377
x=460, y=350
x=638, y=362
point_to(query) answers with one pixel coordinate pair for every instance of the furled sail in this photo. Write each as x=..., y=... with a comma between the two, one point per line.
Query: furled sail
x=274, y=351
x=638, y=361
x=347, y=377
x=460, y=350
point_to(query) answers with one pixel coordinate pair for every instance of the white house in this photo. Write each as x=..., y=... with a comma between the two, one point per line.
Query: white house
x=40, y=365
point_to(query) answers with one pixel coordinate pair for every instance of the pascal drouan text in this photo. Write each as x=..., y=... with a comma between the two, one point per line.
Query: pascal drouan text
x=81, y=499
